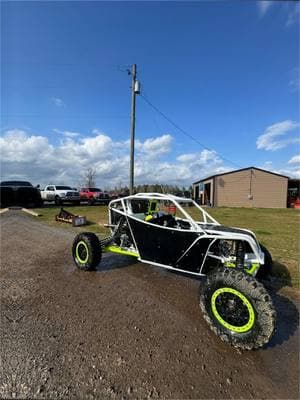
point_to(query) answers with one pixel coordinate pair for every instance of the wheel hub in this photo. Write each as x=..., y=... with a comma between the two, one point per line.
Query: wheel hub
x=232, y=310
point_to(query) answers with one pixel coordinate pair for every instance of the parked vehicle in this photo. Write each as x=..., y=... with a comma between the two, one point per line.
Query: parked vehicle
x=160, y=230
x=60, y=194
x=293, y=198
x=19, y=193
x=114, y=195
x=94, y=195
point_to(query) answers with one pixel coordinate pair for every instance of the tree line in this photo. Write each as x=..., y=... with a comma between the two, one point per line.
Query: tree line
x=89, y=180
x=154, y=188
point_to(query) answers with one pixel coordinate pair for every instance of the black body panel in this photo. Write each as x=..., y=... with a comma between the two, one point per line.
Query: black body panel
x=193, y=259
x=14, y=194
x=166, y=246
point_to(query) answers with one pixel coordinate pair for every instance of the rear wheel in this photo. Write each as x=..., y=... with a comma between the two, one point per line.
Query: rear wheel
x=86, y=251
x=238, y=308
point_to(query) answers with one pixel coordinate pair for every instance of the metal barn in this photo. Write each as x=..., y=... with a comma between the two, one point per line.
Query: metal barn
x=247, y=187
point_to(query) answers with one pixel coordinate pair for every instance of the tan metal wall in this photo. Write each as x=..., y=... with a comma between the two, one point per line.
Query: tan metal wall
x=269, y=190
x=235, y=190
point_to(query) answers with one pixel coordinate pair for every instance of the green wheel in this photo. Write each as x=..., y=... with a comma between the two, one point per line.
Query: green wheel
x=238, y=308
x=86, y=251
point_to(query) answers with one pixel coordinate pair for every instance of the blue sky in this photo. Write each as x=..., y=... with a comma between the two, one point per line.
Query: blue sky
x=225, y=72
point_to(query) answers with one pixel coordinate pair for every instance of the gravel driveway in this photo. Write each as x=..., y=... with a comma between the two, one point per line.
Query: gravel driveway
x=125, y=331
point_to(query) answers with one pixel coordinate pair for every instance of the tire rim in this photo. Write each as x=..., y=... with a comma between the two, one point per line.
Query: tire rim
x=232, y=310
x=82, y=252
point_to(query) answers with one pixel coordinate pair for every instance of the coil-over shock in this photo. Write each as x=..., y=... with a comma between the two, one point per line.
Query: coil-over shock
x=240, y=254
x=116, y=234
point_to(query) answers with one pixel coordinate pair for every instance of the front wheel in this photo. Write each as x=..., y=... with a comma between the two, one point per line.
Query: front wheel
x=86, y=251
x=58, y=201
x=238, y=308
x=90, y=202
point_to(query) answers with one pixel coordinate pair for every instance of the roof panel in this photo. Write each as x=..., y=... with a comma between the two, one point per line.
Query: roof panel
x=238, y=170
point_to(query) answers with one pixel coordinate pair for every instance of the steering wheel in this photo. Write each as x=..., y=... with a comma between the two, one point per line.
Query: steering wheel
x=163, y=220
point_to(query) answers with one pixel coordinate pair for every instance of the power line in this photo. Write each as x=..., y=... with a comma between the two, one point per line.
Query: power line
x=98, y=85
x=64, y=116
x=185, y=132
x=63, y=64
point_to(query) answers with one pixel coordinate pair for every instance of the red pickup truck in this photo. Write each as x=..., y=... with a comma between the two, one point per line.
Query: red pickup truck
x=94, y=195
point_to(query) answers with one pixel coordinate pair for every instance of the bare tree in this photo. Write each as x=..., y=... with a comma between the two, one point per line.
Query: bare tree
x=89, y=177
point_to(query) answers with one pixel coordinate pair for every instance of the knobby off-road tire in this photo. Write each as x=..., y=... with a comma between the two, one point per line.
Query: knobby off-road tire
x=238, y=308
x=86, y=251
x=266, y=269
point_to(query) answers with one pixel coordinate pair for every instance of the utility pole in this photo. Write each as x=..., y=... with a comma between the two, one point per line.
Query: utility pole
x=135, y=89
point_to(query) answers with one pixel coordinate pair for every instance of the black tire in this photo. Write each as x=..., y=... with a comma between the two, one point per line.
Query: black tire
x=90, y=202
x=58, y=201
x=86, y=251
x=76, y=203
x=266, y=269
x=238, y=308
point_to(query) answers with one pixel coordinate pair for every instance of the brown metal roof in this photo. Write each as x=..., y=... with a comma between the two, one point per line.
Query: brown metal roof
x=238, y=170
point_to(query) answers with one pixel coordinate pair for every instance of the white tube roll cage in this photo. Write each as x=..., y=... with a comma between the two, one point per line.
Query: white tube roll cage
x=207, y=219
x=196, y=225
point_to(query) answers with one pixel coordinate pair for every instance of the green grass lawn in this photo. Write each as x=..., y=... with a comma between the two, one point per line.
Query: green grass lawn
x=277, y=229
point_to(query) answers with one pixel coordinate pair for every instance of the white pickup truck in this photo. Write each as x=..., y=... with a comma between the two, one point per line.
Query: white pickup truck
x=60, y=194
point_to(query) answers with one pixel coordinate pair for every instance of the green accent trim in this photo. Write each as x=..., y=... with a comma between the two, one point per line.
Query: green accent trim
x=153, y=208
x=237, y=329
x=82, y=243
x=253, y=269
x=230, y=264
x=118, y=250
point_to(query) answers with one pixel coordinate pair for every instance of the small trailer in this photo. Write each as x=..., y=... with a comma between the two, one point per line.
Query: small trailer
x=66, y=216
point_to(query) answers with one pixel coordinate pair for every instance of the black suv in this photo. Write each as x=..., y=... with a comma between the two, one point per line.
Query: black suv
x=19, y=193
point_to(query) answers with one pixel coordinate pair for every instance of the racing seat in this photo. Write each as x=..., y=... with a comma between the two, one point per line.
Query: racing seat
x=162, y=220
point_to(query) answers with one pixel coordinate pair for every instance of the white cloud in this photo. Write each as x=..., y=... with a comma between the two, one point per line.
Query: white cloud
x=272, y=139
x=16, y=146
x=68, y=134
x=190, y=157
x=293, y=14
x=290, y=172
x=290, y=8
x=58, y=102
x=294, y=82
x=263, y=6
x=267, y=165
x=154, y=147
x=295, y=160
x=33, y=158
x=97, y=132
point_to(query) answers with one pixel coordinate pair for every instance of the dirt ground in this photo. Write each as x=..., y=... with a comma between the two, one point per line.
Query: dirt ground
x=125, y=331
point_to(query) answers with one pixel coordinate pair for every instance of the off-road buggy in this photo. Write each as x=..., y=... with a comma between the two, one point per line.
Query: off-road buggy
x=160, y=229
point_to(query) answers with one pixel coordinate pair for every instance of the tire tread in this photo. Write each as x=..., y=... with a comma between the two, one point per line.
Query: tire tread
x=259, y=297
x=94, y=247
